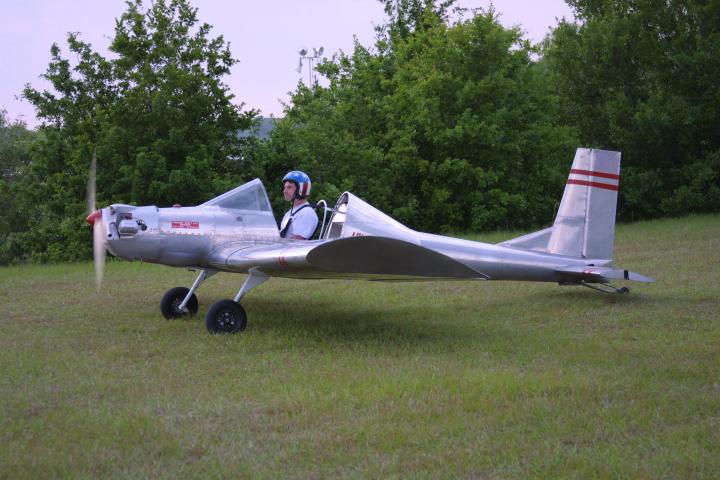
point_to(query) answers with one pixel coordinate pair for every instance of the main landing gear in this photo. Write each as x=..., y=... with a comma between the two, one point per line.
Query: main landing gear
x=224, y=316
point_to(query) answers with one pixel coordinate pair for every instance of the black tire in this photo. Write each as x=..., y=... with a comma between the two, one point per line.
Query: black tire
x=172, y=300
x=226, y=316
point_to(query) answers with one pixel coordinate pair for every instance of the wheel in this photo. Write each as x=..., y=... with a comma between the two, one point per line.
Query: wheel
x=623, y=290
x=226, y=316
x=172, y=300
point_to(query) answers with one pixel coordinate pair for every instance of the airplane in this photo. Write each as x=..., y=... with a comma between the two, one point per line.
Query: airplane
x=237, y=232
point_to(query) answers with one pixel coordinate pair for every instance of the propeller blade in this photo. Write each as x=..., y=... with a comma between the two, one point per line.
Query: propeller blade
x=99, y=251
x=96, y=220
x=91, y=183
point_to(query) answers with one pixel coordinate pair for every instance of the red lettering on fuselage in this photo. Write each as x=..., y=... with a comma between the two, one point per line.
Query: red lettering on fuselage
x=185, y=224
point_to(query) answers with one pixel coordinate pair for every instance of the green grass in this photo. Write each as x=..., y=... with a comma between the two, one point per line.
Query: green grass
x=351, y=379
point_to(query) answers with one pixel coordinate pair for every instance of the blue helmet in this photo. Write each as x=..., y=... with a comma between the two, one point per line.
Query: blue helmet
x=301, y=181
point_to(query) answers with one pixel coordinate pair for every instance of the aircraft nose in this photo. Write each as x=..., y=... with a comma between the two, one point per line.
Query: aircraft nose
x=92, y=217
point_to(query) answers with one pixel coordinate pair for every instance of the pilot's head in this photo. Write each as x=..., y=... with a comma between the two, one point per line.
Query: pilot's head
x=296, y=185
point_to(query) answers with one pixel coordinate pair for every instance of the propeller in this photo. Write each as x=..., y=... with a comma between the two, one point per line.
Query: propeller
x=99, y=231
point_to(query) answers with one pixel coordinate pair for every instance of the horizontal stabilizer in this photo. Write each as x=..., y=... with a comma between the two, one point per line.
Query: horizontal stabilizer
x=603, y=274
x=387, y=256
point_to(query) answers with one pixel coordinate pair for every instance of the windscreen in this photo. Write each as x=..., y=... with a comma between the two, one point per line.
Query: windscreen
x=249, y=196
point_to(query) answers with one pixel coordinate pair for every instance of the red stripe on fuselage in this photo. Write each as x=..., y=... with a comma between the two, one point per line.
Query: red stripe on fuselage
x=605, y=186
x=590, y=173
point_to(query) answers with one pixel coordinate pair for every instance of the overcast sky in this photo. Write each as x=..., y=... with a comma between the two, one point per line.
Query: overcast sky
x=264, y=35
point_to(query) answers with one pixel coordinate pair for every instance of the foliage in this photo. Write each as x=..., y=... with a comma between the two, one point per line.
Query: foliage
x=444, y=124
x=157, y=113
x=449, y=122
x=15, y=157
x=14, y=147
x=641, y=77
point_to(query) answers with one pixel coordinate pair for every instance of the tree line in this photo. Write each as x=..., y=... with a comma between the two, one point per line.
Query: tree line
x=448, y=122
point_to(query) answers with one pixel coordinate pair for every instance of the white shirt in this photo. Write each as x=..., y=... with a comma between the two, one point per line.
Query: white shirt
x=304, y=221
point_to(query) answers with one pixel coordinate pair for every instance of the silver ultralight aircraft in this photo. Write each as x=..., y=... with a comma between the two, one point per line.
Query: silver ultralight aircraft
x=237, y=232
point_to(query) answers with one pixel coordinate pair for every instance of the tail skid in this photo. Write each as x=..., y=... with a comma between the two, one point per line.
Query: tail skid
x=606, y=288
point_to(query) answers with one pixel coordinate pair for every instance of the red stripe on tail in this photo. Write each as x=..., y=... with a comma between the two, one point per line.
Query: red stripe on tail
x=590, y=173
x=605, y=186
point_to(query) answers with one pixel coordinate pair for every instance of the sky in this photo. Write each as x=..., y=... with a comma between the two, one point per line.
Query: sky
x=264, y=35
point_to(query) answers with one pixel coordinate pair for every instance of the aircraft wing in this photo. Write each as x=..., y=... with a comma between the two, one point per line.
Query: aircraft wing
x=366, y=257
x=602, y=274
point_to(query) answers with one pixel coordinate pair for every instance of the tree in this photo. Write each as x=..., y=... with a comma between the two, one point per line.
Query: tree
x=15, y=141
x=14, y=147
x=163, y=124
x=641, y=77
x=446, y=125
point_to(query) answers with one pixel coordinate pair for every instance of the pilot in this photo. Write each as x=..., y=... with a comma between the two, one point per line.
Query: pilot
x=300, y=222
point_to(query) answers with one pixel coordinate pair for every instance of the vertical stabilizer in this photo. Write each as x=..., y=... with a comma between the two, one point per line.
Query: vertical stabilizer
x=585, y=223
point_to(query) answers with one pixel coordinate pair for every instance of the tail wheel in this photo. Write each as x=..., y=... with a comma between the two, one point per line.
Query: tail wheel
x=226, y=316
x=170, y=303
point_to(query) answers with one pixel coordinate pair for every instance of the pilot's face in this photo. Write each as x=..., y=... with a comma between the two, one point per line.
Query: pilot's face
x=289, y=191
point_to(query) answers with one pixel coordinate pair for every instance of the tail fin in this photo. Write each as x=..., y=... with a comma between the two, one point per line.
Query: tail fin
x=585, y=223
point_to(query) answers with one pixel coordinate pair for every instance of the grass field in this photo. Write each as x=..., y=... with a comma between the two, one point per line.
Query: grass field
x=369, y=380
